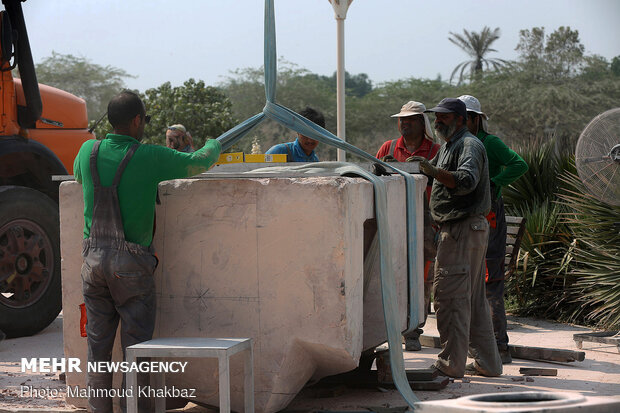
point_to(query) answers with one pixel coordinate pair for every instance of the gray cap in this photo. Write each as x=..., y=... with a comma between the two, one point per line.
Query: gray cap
x=450, y=105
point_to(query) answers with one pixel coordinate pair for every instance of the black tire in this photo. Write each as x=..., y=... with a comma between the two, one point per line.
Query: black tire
x=30, y=289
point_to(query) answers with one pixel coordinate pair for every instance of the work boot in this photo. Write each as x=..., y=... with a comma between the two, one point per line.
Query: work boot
x=412, y=344
x=472, y=370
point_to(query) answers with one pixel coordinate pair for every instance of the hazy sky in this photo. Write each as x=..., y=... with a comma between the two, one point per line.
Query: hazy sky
x=158, y=41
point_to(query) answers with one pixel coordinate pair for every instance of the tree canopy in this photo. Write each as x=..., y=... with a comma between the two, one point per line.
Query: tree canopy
x=552, y=57
x=553, y=87
x=204, y=110
x=357, y=85
x=615, y=66
x=94, y=83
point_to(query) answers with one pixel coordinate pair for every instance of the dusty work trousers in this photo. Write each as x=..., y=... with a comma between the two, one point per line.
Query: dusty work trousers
x=461, y=308
x=111, y=294
x=496, y=254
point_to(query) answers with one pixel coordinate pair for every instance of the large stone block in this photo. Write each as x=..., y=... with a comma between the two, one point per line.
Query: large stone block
x=277, y=259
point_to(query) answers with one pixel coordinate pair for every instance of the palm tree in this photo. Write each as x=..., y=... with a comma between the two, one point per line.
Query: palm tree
x=477, y=46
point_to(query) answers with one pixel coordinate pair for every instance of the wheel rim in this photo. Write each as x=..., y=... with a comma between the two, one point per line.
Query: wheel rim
x=26, y=263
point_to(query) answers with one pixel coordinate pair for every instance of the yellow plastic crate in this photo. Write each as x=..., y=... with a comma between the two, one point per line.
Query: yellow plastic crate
x=233, y=157
x=257, y=158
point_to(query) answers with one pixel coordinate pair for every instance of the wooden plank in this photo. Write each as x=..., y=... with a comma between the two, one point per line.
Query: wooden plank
x=384, y=371
x=606, y=337
x=437, y=383
x=538, y=371
x=523, y=352
x=514, y=220
x=421, y=374
x=419, y=379
x=430, y=341
x=332, y=386
x=514, y=236
x=541, y=353
x=512, y=230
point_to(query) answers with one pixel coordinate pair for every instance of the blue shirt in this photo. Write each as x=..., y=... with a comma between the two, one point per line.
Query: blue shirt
x=294, y=149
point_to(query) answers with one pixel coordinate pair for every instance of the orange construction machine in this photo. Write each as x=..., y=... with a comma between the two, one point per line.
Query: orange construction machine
x=41, y=131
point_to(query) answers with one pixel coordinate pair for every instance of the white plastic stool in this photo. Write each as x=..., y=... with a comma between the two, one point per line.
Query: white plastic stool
x=222, y=348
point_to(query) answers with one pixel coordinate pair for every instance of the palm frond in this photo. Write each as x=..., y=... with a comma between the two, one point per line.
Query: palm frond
x=462, y=42
x=596, y=267
x=462, y=67
x=477, y=46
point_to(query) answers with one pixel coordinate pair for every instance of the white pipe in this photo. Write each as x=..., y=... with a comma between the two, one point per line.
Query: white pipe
x=340, y=89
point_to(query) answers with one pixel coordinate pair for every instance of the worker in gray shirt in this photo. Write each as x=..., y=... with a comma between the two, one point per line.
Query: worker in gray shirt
x=460, y=200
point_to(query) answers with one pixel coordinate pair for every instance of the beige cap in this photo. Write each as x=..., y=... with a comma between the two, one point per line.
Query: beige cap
x=416, y=108
x=410, y=108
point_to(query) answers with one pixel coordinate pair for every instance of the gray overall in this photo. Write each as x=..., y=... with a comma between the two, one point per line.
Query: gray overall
x=117, y=282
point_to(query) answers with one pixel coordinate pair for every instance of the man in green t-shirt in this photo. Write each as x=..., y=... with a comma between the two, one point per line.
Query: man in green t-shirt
x=119, y=178
x=505, y=167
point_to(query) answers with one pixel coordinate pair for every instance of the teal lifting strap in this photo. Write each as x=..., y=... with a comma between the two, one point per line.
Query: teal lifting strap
x=308, y=128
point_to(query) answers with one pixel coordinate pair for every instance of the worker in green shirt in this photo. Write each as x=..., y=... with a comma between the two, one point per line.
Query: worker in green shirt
x=119, y=178
x=505, y=167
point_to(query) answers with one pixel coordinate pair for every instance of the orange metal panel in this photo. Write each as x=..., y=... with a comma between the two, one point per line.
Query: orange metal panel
x=8, y=120
x=63, y=108
x=65, y=143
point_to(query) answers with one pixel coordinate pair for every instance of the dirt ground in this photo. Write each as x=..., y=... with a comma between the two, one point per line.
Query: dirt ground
x=597, y=375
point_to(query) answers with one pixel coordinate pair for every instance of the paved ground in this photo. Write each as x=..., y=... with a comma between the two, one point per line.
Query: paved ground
x=598, y=375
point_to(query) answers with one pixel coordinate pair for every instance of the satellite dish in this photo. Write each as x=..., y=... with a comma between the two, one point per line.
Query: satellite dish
x=598, y=157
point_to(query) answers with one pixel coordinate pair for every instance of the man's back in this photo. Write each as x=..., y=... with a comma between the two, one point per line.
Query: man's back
x=137, y=190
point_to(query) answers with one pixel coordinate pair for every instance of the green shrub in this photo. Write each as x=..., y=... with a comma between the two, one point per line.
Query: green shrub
x=594, y=256
x=538, y=286
x=569, y=262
